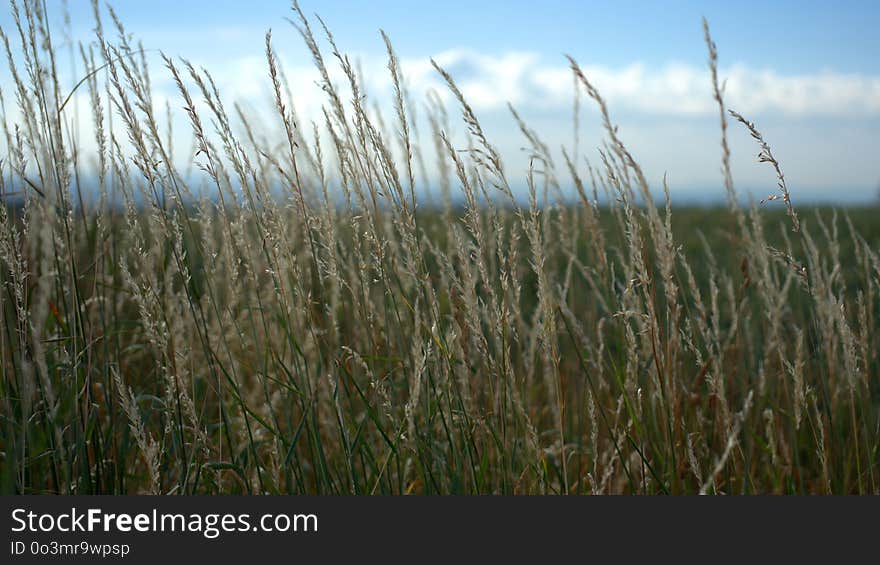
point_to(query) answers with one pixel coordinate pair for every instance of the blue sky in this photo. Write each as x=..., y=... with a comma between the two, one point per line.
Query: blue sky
x=790, y=36
x=808, y=73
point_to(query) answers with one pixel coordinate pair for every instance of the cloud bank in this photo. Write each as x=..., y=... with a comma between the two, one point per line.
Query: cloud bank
x=671, y=90
x=528, y=80
x=824, y=126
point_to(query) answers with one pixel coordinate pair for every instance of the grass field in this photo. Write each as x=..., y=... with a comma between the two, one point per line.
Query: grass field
x=312, y=329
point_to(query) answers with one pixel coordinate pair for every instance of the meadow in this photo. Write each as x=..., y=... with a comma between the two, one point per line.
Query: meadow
x=293, y=319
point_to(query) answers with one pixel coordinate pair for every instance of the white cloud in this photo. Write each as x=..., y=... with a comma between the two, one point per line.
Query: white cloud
x=671, y=90
x=667, y=113
x=824, y=126
x=528, y=80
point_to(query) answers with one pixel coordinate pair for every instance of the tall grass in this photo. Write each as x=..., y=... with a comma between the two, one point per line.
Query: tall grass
x=293, y=320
